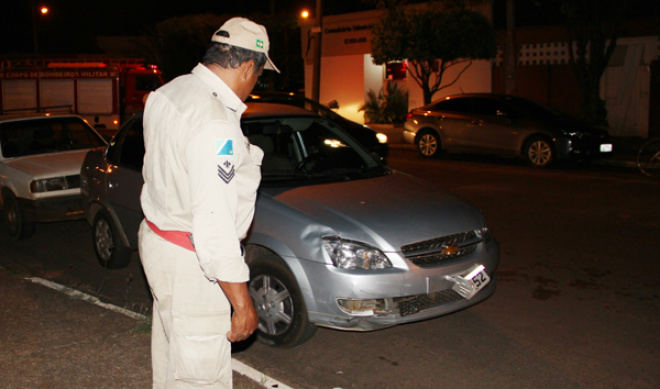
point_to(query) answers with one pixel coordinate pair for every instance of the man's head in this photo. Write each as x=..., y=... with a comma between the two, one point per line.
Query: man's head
x=240, y=40
x=237, y=46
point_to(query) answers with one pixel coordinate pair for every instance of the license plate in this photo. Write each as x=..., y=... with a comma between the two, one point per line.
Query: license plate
x=469, y=284
x=606, y=148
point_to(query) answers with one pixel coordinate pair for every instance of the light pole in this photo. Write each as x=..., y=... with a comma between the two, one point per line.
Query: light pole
x=37, y=12
x=316, y=72
x=314, y=31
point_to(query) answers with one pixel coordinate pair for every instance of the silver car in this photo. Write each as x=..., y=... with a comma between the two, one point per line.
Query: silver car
x=503, y=125
x=338, y=240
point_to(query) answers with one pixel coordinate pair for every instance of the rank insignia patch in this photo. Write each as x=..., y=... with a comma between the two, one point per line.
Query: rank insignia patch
x=226, y=171
x=224, y=147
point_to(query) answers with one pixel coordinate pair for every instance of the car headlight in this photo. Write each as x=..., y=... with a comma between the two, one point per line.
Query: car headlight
x=382, y=138
x=484, y=231
x=49, y=184
x=572, y=134
x=348, y=254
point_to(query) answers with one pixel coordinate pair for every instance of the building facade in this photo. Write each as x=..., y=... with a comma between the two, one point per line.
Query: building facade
x=542, y=71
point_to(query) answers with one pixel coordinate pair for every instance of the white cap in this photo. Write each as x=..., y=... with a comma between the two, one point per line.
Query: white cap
x=248, y=35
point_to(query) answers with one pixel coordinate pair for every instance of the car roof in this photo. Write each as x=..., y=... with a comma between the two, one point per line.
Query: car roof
x=258, y=110
x=263, y=109
x=17, y=116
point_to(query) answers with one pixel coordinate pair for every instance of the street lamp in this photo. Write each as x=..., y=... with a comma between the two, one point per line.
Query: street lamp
x=37, y=12
x=313, y=27
x=316, y=73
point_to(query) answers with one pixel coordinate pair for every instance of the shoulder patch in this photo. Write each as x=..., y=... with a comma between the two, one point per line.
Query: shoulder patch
x=224, y=147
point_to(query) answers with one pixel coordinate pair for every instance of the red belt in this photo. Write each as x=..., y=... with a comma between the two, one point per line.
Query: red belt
x=179, y=238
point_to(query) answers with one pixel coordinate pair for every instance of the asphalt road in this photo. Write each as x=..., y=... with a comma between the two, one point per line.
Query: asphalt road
x=577, y=304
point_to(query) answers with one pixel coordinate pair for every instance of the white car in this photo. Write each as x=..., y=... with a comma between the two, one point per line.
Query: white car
x=40, y=159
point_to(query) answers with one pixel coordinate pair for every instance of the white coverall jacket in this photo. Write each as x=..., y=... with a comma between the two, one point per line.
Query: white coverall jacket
x=200, y=175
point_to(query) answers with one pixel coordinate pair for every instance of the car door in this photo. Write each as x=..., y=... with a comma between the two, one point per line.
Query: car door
x=453, y=118
x=492, y=126
x=124, y=178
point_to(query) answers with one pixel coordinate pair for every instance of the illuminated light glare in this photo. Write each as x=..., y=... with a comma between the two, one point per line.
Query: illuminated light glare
x=334, y=143
x=304, y=14
x=115, y=121
x=382, y=138
x=44, y=10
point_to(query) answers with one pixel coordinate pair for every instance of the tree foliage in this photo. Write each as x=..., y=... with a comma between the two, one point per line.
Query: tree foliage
x=433, y=39
x=593, y=28
x=180, y=43
x=390, y=105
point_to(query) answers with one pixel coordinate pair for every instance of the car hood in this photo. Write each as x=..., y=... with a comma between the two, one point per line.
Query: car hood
x=49, y=165
x=387, y=212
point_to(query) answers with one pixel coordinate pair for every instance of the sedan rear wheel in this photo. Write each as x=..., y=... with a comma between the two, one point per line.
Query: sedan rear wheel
x=539, y=152
x=282, y=314
x=428, y=144
x=108, y=247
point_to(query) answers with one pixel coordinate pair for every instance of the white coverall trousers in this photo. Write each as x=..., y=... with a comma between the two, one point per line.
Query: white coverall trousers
x=191, y=318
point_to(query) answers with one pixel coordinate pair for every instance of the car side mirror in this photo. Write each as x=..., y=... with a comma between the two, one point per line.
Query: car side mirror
x=334, y=104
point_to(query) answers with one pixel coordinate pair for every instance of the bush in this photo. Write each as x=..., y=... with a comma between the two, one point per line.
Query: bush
x=389, y=106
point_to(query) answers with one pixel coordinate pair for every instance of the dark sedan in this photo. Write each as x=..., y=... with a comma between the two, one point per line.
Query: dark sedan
x=502, y=125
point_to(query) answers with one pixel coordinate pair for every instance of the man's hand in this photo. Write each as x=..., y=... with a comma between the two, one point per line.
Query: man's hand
x=244, y=321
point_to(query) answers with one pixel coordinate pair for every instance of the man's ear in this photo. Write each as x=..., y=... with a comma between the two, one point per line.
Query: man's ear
x=247, y=69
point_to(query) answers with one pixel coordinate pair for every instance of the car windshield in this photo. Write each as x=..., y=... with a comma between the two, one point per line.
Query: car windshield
x=309, y=149
x=48, y=135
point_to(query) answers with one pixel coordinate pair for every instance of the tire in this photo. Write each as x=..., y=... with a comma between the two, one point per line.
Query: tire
x=17, y=224
x=428, y=144
x=648, y=158
x=108, y=247
x=282, y=314
x=539, y=152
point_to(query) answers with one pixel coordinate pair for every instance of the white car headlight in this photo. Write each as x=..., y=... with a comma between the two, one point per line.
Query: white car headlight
x=348, y=254
x=49, y=184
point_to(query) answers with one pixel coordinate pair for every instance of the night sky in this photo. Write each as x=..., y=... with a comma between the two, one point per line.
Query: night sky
x=72, y=25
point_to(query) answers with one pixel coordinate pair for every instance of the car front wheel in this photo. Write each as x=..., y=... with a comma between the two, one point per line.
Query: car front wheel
x=17, y=224
x=108, y=246
x=428, y=144
x=539, y=152
x=278, y=301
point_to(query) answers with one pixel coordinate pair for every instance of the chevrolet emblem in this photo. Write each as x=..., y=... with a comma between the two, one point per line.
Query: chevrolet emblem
x=450, y=250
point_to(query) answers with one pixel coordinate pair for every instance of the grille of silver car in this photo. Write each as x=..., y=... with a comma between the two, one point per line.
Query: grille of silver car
x=443, y=249
x=73, y=181
x=414, y=304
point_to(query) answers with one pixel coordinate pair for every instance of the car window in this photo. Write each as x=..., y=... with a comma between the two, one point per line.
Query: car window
x=127, y=149
x=308, y=147
x=490, y=107
x=47, y=135
x=453, y=105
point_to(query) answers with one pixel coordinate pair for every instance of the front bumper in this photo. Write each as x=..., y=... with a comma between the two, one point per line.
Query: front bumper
x=572, y=148
x=404, y=296
x=53, y=209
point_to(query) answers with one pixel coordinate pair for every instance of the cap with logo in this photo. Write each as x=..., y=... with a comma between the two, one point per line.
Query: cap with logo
x=248, y=35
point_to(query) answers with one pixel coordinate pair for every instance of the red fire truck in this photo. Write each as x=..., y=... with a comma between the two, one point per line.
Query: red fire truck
x=105, y=91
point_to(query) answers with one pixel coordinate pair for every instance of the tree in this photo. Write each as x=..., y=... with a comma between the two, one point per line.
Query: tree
x=433, y=40
x=593, y=28
x=179, y=43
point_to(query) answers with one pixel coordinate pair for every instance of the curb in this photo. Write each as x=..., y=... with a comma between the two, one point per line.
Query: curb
x=236, y=365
